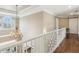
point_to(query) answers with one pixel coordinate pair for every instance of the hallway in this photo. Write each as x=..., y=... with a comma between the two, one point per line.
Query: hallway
x=70, y=45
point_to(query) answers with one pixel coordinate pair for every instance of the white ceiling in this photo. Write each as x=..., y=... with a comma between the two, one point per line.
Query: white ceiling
x=8, y=7
x=73, y=12
x=11, y=9
x=57, y=10
x=62, y=10
x=21, y=7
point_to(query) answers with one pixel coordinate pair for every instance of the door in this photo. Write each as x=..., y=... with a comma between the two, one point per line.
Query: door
x=73, y=25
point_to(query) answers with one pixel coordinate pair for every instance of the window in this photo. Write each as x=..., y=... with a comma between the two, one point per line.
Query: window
x=7, y=22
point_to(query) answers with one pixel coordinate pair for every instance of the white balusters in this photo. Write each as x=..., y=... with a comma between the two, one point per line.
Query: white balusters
x=47, y=42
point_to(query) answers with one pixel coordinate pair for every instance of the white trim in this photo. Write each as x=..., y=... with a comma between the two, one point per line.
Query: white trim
x=49, y=12
x=15, y=43
x=4, y=13
x=31, y=7
x=29, y=13
x=36, y=11
x=32, y=10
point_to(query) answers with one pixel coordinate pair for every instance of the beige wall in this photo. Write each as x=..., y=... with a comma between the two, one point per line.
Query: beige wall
x=49, y=22
x=36, y=24
x=63, y=22
x=31, y=25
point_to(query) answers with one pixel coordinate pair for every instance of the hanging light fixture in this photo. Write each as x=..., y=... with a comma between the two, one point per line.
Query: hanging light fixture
x=17, y=34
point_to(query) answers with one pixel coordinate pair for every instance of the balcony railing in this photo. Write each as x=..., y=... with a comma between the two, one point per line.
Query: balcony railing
x=43, y=43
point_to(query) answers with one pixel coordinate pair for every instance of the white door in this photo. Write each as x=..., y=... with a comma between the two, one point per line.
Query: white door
x=73, y=26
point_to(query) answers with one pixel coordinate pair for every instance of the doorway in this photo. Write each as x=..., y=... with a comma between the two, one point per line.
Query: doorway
x=73, y=27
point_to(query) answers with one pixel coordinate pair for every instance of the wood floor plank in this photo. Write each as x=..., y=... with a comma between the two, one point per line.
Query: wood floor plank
x=70, y=45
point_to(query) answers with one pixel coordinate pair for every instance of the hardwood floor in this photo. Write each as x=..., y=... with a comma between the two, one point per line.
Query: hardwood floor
x=70, y=45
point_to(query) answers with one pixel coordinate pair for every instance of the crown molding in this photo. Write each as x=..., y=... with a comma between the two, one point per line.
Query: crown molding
x=27, y=9
x=35, y=10
x=49, y=12
x=29, y=13
x=4, y=12
x=10, y=14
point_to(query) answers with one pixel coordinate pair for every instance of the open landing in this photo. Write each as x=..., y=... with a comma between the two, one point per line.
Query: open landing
x=70, y=45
